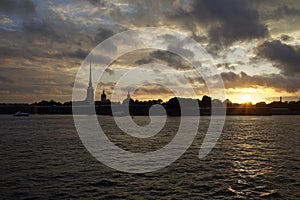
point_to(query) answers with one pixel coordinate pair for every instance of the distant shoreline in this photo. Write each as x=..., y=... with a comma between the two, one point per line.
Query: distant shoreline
x=143, y=110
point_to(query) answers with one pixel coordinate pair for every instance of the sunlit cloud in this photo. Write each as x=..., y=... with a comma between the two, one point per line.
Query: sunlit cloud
x=254, y=44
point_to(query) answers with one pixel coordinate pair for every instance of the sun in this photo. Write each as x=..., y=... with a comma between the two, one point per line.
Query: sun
x=246, y=98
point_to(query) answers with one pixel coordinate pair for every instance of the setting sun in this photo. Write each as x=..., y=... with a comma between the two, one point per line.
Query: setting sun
x=246, y=98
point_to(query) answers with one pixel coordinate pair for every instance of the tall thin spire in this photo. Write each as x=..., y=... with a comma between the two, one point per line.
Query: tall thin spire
x=128, y=95
x=90, y=79
x=90, y=89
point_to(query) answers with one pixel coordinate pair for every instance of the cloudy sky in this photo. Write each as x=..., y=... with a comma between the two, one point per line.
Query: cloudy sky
x=255, y=45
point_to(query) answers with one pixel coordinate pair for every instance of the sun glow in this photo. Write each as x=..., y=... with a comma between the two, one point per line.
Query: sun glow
x=246, y=98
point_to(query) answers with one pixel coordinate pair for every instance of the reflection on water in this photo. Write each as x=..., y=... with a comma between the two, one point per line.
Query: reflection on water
x=255, y=158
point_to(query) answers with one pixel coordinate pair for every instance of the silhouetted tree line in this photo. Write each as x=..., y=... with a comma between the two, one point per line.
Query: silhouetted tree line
x=277, y=107
x=206, y=101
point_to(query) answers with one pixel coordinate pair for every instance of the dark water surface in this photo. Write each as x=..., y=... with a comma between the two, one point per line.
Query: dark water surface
x=42, y=157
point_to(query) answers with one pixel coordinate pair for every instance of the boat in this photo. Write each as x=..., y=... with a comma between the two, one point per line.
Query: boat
x=21, y=114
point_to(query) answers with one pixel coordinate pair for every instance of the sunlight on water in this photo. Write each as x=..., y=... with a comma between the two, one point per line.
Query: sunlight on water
x=255, y=158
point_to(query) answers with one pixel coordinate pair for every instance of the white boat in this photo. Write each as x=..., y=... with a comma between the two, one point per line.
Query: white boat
x=21, y=114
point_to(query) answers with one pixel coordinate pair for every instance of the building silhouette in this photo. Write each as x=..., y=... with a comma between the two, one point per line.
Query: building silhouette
x=103, y=97
x=90, y=90
x=128, y=99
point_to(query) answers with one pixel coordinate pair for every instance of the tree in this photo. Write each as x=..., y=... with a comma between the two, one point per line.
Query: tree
x=206, y=101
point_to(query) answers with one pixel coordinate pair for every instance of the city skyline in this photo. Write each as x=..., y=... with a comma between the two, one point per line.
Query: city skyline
x=91, y=98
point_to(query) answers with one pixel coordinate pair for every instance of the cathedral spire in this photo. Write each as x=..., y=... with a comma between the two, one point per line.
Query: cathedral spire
x=90, y=79
x=90, y=89
x=128, y=95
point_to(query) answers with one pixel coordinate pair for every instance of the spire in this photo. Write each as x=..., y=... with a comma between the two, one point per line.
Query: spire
x=103, y=96
x=90, y=89
x=90, y=79
x=128, y=95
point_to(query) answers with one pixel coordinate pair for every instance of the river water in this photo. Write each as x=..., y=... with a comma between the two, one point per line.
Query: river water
x=256, y=157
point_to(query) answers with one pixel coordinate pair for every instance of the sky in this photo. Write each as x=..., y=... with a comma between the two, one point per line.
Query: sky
x=255, y=46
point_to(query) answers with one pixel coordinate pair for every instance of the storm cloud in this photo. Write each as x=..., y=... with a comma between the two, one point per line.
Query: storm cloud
x=229, y=21
x=285, y=57
x=25, y=8
x=46, y=41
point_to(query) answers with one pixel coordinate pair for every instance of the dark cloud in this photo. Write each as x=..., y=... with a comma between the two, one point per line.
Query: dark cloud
x=37, y=27
x=6, y=51
x=133, y=59
x=171, y=59
x=180, y=50
x=79, y=53
x=99, y=59
x=227, y=66
x=280, y=12
x=54, y=41
x=109, y=71
x=229, y=21
x=152, y=89
x=146, y=56
x=109, y=85
x=196, y=80
x=5, y=80
x=15, y=52
x=23, y=8
x=15, y=6
x=102, y=34
x=36, y=31
x=275, y=81
x=287, y=10
x=285, y=57
x=97, y=2
x=281, y=16
x=285, y=38
x=143, y=61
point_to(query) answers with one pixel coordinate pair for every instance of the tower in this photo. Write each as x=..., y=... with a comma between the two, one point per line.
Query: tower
x=128, y=100
x=128, y=95
x=90, y=90
x=103, y=97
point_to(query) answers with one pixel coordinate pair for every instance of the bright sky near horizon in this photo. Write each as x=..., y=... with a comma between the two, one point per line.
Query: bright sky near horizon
x=255, y=45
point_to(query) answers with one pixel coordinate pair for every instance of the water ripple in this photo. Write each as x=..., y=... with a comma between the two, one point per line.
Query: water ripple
x=42, y=157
